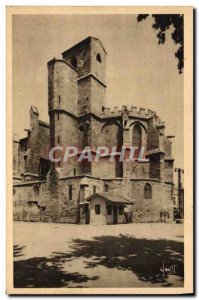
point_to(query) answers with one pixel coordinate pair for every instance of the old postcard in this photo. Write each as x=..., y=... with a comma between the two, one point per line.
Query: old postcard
x=100, y=150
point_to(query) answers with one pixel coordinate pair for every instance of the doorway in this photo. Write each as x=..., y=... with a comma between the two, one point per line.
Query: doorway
x=87, y=214
x=114, y=214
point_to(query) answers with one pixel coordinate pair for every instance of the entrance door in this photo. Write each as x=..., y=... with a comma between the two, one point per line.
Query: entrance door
x=114, y=214
x=87, y=214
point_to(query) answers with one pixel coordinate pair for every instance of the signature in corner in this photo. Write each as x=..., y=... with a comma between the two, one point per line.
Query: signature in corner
x=167, y=270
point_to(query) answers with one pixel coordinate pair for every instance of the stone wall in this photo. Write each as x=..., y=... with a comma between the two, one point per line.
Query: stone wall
x=23, y=149
x=104, y=168
x=79, y=57
x=62, y=87
x=43, y=142
x=166, y=145
x=152, y=136
x=150, y=210
x=84, y=132
x=26, y=201
x=98, y=93
x=16, y=159
x=32, y=148
x=136, y=170
x=168, y=171
x=66, y=133
x=98, y=68
x=154, y=166
x=62, y=208
x=84, y=95
x=96, y=132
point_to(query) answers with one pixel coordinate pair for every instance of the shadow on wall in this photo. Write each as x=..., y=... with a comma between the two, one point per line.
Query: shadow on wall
x=143, y=257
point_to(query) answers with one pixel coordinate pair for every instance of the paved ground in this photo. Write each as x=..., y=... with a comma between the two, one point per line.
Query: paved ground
x=129, y=255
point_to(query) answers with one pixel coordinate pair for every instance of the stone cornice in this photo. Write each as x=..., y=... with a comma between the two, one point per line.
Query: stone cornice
x=91, y=75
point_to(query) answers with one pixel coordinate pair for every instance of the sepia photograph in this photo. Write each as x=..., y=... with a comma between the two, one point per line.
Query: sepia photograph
x=100, y=139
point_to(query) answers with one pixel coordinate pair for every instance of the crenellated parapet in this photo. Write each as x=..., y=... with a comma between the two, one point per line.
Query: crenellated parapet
x=132, y=111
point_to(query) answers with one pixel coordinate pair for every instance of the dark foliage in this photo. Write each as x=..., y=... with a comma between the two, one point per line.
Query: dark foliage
x=162, y=23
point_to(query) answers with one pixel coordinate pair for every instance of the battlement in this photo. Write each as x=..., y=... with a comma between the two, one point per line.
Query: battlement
x=158, y=123
x=132, y=111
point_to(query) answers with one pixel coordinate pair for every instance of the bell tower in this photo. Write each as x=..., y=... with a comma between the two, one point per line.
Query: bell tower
x=88, y=57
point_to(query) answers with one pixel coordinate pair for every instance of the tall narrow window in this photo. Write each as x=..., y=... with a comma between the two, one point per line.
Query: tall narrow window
x=74, y=171
x=97, y=209
x=137, y=136
x=106, y=188
x=147, y=191
x=94, y=189
x=82, y=192
x=59, y=100
x=25, y=163
x=70, y=192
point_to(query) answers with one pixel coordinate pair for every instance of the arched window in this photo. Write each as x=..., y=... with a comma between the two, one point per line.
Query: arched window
x=137, y=136
x=98, y=57
x=74, y=62
x=147, y=191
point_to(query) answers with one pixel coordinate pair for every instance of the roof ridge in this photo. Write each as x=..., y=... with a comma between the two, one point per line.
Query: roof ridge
x=111, y=197
x=75, y=45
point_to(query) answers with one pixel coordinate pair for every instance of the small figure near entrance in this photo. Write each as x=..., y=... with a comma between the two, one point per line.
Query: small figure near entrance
x=128, y=214
x=84, y=213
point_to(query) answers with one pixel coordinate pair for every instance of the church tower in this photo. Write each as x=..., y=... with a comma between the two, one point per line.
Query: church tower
x=89, y=59
x=76, y=89
x=62, y=109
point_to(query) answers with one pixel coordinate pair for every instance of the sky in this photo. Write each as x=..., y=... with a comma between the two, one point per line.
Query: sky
x=139, y=72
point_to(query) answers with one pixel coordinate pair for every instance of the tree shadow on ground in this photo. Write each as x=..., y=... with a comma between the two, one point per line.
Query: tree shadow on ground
x=44, y=272
x=141, y=256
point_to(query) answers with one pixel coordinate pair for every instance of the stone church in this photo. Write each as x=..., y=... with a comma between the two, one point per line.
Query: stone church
x=101, y=192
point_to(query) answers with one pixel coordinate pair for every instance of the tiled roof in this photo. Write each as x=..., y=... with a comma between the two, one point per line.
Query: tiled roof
x=110, y=197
